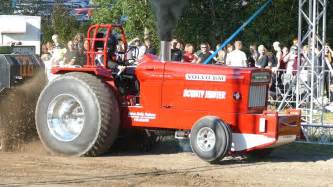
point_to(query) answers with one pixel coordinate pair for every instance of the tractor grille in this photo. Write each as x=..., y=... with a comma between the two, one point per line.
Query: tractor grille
x=257, y=96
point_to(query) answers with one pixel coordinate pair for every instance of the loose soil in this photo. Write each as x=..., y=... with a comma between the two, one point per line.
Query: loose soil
x=292, y=165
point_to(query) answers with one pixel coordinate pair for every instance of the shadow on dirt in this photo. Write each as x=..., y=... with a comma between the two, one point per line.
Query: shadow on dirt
x=295, y=152
x=162, y=145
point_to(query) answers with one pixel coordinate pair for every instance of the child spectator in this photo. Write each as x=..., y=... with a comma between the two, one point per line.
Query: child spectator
x=221, y=55
x=189, y=56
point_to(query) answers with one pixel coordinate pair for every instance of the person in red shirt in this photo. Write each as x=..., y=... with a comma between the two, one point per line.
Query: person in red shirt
x=189, y=56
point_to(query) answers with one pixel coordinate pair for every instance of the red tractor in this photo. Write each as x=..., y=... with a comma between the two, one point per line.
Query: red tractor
x=221, y=109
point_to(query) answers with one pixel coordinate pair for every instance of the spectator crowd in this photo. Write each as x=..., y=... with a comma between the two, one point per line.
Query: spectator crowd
x=282, y=60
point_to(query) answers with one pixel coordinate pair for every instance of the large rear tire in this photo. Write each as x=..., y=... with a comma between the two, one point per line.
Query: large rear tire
x=77, y=114
x=211, y=139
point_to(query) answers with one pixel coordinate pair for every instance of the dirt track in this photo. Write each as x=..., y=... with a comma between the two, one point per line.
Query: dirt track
x=295, y=165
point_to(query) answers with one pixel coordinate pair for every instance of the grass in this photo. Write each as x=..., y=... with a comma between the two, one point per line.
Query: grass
x=307, y=149
x=328, y=117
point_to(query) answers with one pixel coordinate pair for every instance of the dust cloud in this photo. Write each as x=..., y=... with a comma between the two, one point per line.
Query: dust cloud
x=17, y=113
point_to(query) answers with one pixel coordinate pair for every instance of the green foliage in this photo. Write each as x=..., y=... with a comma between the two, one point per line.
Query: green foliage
x=5, y=7
x=139, y=13
x=279, y=22
x=5, y=50
x=63, y=24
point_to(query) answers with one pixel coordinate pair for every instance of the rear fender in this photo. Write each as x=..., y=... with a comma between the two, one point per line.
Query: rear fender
x=102, y=73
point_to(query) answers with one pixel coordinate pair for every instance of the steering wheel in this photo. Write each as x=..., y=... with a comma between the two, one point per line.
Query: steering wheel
x=124, y=68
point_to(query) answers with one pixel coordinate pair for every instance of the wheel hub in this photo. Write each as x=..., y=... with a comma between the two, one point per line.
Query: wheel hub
x=206, y=139
x=65, y=117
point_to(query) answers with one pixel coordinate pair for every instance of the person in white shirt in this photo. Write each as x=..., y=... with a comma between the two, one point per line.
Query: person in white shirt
x=278, y=56
x=237, y=58
x=136, y=50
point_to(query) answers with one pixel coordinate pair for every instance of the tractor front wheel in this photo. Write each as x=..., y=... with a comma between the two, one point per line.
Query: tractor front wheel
x=77, y=114
x=211, y=139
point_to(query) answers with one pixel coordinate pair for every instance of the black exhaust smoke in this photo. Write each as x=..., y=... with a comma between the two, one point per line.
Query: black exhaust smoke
x=167, y=13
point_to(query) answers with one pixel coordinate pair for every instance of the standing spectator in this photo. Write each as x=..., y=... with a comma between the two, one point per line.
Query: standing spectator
x=176, y=54
x=86, y=45
x=292, y=62
x=58, y=51
x=253, y=58
x=230, y=48
x=56, y=41
x=136, y=51
x=328, y=54
x=82, y=58
x=49, y=47
x=272, y=62
x=305, y=51
x=278, y=54
x=285, y=58
x=263, y=58
x=189, y=56
x=78, y=42
x=204, y=54
x=221, y=55
x=278, y=70
x=209, y=48
x=180, y=46
x=46, y=56
x=149, y=48
x=120, y=52
x=288, y=59
x=294, y=48
x=71, y=55
x=237, y=58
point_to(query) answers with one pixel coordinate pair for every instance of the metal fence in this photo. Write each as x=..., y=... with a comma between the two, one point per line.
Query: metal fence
x=283, y=94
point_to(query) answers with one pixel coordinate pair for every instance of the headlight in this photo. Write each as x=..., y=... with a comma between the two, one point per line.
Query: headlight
x=261, y=77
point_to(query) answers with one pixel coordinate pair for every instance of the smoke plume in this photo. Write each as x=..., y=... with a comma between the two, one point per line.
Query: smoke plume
x=168, y=13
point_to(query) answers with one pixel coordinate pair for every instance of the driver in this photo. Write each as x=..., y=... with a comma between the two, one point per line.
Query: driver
x=118, y=61
x=124, y=70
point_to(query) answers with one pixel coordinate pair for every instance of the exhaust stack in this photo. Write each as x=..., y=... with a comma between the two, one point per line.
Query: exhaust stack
x=165, y=51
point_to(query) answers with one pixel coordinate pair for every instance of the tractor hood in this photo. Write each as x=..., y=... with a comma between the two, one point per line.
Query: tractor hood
x=188, y=86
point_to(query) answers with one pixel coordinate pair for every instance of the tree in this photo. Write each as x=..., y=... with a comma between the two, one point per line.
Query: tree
x=139, y=16
x=63, y=24
x=6, y=7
